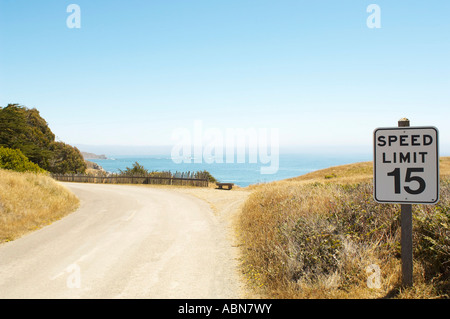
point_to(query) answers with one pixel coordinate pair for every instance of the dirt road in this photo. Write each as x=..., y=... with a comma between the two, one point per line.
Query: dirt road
x=129, y=242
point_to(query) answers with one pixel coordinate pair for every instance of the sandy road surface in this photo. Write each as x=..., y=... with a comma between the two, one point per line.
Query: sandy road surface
x=129, y=242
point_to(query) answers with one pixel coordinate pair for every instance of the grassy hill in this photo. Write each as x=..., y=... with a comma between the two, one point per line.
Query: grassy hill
x=357, y=172
x=29, y=201
x=321, y=235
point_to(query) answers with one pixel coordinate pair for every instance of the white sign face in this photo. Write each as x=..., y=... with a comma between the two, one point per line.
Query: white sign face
x=406, y=165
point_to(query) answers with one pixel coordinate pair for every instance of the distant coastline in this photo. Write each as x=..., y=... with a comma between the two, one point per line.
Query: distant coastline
x=88, y=156
x=92, y=167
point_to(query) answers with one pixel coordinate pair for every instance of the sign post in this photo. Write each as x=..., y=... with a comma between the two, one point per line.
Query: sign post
x=406, y=241
x=406, y=172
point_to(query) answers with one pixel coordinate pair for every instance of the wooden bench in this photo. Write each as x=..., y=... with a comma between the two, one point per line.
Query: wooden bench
x=221, y=185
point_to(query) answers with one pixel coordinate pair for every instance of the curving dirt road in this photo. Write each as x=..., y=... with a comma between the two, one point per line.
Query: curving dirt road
x=125, y=242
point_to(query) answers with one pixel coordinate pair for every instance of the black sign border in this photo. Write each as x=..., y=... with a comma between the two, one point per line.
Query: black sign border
x=375, y=166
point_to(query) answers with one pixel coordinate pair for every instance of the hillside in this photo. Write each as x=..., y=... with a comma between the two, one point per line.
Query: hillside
x=357, y=172
x=29, y=201
x=321, y=235
x=87, y=156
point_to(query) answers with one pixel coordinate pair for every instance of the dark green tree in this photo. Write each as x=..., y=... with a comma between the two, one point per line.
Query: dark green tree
x=17, y=132
x=66, y=159
x=24, y=129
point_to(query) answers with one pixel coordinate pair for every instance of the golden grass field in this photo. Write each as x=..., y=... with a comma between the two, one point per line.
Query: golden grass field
x=29, y=201
x=319, y=235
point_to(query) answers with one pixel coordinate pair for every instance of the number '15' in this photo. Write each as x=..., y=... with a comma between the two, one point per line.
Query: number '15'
x=409, y=178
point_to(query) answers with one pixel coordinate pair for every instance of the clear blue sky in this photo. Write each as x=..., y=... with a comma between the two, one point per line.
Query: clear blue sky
x=137, y=70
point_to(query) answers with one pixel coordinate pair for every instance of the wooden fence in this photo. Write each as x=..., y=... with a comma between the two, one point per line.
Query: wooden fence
x=156, y=180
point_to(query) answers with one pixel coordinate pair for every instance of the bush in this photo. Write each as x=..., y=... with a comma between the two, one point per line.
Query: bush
x=207, y=175
x=315, y=247
x=15, y=160
x=136, y=170
x=139, y=170
x=66, y=159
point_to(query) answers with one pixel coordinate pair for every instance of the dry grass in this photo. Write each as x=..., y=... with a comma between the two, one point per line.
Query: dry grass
x=349, y=173
x=444, y=165
x=354, y=173
x=315, y=236
x=29, y=201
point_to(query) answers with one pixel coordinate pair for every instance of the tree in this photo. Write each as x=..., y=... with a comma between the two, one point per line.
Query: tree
x=24, y=129
x=66, y=159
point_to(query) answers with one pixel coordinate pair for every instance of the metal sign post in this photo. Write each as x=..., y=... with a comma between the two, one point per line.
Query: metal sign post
x=406, y=241
x=406, y=172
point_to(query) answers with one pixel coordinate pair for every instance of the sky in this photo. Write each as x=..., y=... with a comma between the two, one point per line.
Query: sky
x=136, y=71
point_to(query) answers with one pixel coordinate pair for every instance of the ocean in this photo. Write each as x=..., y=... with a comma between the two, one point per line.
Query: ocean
x=241, y=174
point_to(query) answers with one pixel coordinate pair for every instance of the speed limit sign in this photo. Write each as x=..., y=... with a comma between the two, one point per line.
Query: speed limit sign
x=406, y=165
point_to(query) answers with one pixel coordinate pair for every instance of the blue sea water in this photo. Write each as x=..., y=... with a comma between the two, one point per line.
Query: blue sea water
x=241, y=174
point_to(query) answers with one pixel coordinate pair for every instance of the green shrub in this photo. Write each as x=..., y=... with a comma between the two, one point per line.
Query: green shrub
x=15, y=160
x=139, y=170
x=136, y=170
x=207, y=175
